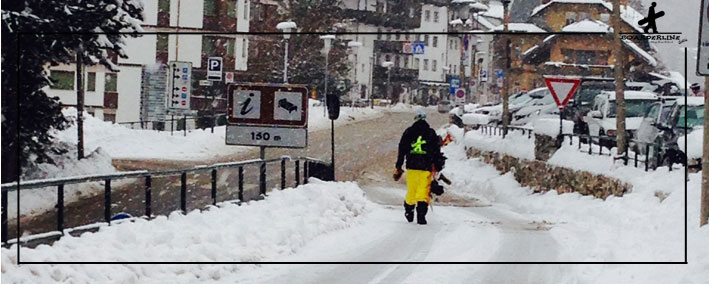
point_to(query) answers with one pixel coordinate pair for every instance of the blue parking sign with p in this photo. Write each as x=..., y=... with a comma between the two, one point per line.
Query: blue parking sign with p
x=214, y=68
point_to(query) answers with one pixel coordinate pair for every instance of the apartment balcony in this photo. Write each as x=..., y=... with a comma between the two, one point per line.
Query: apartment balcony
x=383, y=46
x=397, y=74
x=394, y=19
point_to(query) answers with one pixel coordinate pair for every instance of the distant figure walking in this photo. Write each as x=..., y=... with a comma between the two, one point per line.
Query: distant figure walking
x=650, y=20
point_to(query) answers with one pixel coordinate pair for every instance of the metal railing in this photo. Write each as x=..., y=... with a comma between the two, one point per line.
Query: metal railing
x=178, y=123
x=649, y=161
x=60, y=183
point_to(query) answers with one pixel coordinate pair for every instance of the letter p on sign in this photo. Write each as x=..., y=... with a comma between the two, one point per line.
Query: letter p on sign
x=214, y=68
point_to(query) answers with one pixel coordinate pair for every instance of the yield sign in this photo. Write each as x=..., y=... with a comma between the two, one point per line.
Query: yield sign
x=562, y=89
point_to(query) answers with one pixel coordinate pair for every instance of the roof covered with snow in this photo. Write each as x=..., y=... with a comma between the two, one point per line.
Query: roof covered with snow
x=627, y=13
x=521, y=27
x=587, y=26
x=286, y=25
x=633, y=95
x=485, y=22
x=691, y=101
x=495, y=10
x=639, y=51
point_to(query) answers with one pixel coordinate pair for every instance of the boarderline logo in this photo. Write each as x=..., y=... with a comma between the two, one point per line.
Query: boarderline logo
x=651, y=34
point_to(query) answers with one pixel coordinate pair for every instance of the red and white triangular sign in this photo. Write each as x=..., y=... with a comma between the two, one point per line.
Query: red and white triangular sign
x=562, y=89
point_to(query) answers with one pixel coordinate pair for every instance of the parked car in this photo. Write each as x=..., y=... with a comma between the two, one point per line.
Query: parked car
x=601, y=119
x=542, y=104
x=579, y=106
x=663, y=124
x=444, y=106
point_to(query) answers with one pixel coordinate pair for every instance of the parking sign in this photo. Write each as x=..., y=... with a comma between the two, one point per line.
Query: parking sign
x=214, y=68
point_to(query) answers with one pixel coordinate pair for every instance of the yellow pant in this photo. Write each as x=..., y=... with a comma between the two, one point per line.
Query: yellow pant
x=419, y=186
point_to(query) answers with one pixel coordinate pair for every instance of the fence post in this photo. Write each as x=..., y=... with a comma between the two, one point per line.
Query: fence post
x=148, y=197
x=283, y=173
x=658, y=158
x=636, y=159
x=172, y=124
x=262, y=178
x=60, y=209
x=590, y=144
x=107, y=201
x=184, y=125
x=214, y=186
x=241, y=183
x=4, y=214
x=297, y=173
x=306, y=173
x=183, y=192
x=647, y=157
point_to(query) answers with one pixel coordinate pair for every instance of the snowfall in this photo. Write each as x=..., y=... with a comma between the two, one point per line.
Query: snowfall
x=343, y=221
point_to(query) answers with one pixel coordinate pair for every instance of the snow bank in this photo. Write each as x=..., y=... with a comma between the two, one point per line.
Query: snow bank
x=476, y=119
x=550, y=126
x=278, y=226
x=515, y=144
x=695, y=141
x=199, y=145
x=644, y=225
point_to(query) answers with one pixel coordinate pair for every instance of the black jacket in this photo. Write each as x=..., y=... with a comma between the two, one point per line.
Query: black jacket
x=420, y=146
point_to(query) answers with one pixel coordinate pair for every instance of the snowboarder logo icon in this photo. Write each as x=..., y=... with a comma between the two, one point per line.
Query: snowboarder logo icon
x=650, y=19
x=417, y=146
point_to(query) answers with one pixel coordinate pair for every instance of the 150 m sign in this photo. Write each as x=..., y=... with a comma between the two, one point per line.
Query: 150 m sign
x=267, y=136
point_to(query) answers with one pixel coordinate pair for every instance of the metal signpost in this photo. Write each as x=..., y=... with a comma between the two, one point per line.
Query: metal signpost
x=460, y=96
x=703, y=56
x=563, y=90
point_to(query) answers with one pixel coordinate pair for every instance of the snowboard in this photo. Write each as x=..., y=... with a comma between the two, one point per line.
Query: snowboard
x=645, y=20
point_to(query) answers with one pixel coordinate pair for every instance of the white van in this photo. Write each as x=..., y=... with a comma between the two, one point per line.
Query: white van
x=602, y=117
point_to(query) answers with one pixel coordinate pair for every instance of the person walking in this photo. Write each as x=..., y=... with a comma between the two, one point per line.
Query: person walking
x=420, y=146
x=696, y=90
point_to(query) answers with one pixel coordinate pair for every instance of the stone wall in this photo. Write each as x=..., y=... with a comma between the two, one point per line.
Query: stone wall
x=542, y=177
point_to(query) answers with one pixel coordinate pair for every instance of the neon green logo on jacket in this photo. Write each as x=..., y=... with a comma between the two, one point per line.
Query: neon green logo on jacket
x=417, y=146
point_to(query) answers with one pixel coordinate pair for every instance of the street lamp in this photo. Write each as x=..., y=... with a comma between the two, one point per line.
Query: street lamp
x=287, y=28
x=388, y=65
x=327, y=39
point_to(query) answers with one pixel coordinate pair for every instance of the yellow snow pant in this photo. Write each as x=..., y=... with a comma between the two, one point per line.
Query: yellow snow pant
x=419, y=186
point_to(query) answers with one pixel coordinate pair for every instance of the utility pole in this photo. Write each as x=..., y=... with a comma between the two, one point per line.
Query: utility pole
x=704, y=211
x=619, y=55
x=80, y=103
x=506, y=69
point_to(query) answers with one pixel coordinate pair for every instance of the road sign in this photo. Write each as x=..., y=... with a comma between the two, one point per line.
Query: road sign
x=407, y=47
x=483, y=75
x=179, y=85
x=703, y=60
x=228, y=77
x=418, y=48
x=205, y=83
x=460, y=93
x=562, y=89
x=273, y=115
x=214, y=68
x=454, y=84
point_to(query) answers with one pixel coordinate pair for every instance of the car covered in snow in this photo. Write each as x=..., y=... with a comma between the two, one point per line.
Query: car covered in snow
x=444, y=106
x=494, y=112
x=601, y=120
x=542, y=104
x=663, y=124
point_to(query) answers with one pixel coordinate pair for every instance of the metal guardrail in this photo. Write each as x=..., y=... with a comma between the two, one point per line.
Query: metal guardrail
x=59, y=183
x=175, y=123
x=636, y=157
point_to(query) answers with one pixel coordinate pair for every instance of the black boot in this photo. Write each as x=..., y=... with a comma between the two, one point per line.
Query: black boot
x=421, y=209
x=409, y=212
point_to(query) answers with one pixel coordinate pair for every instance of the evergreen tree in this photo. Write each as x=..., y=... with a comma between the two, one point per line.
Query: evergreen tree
x=41, y=33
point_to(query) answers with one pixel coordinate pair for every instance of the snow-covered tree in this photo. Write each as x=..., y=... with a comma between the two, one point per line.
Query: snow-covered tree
x=41, y=33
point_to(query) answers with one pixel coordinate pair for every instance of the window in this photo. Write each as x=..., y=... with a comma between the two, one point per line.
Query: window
x=208, y=46
x=109, y=117
x=389, y=35
x=433, y=66
x=362, y=67
x=164, y=6
x=63, y=80
x=210, y=7
x=230, y=45
x=91, y=82
x=406, y=36
x=417, y=62
x=397, y=62
x=450, y=68
x=411, y=12
x=406, y=62
x=455, y=68
x=435, y=41
x=246, y=9
x=435, y=17
x=379, y=33
x=570, y=17
x=425, y=40
x=161, y=44
x=397, y=36
x=605, y=17
x=428, y=16
x=425, y=65
x=583, y=16
x=111, y=82
x=380, y=7
x=244, y=47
